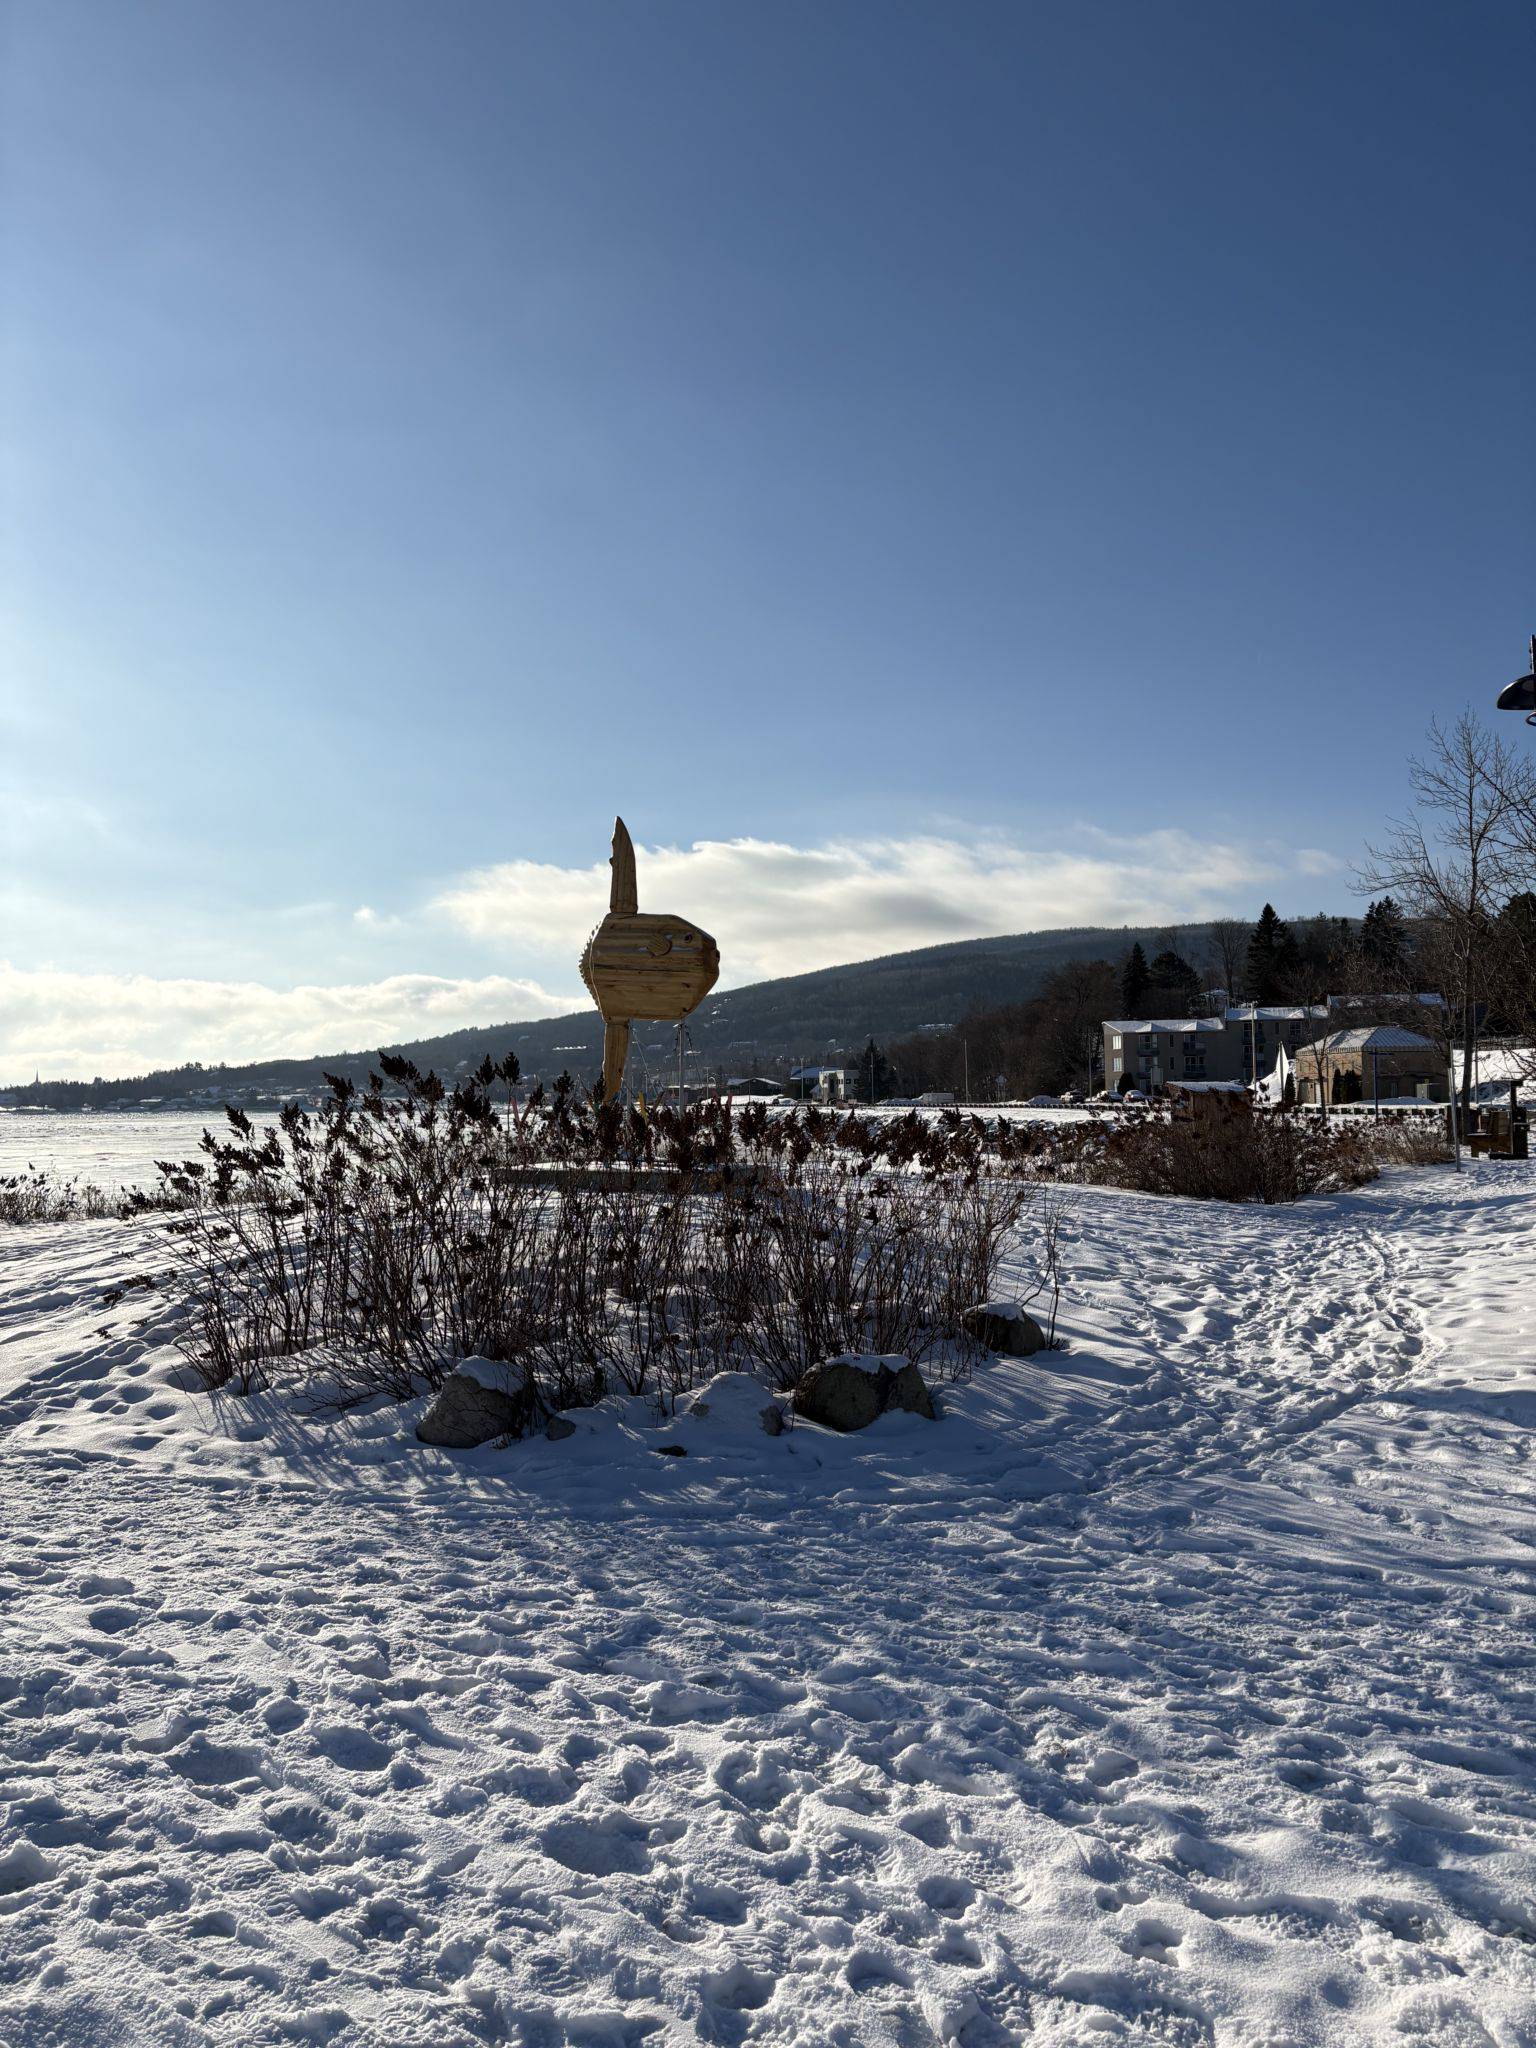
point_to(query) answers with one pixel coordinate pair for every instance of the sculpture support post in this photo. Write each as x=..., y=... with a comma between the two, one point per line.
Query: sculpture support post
x=615, y=1057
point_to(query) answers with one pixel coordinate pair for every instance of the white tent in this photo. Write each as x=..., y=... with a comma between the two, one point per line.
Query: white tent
x=1272, y=1088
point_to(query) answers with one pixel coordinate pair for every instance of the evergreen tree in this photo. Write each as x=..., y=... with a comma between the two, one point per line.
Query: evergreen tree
x=874, y=1077
x=1175, y=982
x=1384, y=941
x=1135, y=982
x=1273, y=960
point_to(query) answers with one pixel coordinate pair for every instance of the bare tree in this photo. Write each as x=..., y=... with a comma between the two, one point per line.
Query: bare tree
x=1456, y=858
x=1228, y=950
x=1080, y=995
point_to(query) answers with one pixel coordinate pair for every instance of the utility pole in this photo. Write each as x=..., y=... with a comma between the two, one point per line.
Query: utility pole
x=965, y=1054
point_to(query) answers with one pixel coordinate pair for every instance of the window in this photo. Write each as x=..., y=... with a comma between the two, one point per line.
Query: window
x=1118, y=1063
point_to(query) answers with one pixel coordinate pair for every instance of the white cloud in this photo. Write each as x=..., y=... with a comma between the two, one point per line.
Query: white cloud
x=74, y=1026
x=777, y=909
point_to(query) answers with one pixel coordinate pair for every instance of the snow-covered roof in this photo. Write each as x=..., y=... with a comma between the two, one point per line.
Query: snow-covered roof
x=1163, y=1024
x=1275, y=1013
x=1377, y=1038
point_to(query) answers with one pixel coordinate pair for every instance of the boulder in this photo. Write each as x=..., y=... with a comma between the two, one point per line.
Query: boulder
x=850, y=1392
x=841, y=1395
x=480, y=1401
x=557, y=1427
x=1004, y=1327
x=772, y=1419
x=909, y=1392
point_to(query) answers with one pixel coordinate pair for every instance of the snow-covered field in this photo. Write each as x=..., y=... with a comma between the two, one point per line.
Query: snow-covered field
x=1174, y=1688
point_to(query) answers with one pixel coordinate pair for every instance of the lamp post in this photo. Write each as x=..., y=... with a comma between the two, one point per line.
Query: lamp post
x=1520, y=695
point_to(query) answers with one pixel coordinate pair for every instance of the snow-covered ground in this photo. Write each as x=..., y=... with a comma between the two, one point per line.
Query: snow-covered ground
x=1173, y=1688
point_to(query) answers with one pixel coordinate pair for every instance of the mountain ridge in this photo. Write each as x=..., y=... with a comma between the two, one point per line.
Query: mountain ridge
x=800, y=1017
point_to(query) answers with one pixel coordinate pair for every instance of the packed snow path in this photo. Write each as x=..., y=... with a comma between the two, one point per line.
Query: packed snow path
x=1175, y=1688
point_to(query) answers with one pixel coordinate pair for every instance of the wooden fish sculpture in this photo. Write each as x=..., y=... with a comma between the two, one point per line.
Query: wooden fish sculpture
x=642, y=964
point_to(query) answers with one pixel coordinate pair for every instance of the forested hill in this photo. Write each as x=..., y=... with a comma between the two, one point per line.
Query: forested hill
x=801, y=1016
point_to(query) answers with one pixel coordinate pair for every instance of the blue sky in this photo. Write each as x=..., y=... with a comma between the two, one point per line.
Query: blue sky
x=960, y=467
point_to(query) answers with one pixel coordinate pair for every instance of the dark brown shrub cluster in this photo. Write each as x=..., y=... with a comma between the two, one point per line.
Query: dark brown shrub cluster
x=1267, y=1156
x=37, y=1196
x=367, y=1248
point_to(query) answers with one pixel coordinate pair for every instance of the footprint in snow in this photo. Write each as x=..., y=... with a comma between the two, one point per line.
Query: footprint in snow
x=1109, y=1766
x=738, y=1988
x=928, y=1825
x=869, y=1971
x=113, y=1618
x=756, y=1781
x=353, y=1749
x=958, y=1950
x=610, y=1847
x=212, y=1763
x=1152, y=1941
x=721, y=1903
x=947, y=1895
x=282, y=1716
x=97, y=1586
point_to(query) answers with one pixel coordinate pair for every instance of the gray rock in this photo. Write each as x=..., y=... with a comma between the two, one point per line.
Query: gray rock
x=773, y=1420
x=1004, y=1328
x=842, y=1395
x=909, y=1392
x=557, y=1427
x=464, y=1412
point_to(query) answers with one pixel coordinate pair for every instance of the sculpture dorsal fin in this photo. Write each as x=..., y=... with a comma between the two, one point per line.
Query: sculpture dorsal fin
x=623, y=893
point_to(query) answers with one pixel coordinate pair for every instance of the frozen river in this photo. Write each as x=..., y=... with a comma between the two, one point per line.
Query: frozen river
x=118, y=1148
x=113, y=1148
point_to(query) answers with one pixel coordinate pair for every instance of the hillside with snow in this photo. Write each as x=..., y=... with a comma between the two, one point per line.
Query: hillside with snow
x=1175, y=1687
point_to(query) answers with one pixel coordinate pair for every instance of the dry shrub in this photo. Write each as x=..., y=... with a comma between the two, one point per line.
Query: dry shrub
x=371, y=1246
x=1236, y=1158
x=1243, y=1155
x=37, y=1196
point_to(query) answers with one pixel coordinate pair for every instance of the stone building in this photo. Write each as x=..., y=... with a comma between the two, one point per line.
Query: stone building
x=1380, y=1062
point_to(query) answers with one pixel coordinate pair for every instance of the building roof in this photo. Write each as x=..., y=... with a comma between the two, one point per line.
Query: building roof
x=1377, y=1038
x=1275, y=1013
x=1163, y=1024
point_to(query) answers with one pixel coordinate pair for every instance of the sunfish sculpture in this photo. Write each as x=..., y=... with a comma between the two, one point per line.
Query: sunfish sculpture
x=642, y=964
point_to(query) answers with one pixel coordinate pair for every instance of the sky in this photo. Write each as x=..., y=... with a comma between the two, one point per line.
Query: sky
x=936, y=470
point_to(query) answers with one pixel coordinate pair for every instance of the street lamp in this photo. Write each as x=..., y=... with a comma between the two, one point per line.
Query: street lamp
x=1520, y=695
